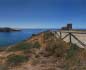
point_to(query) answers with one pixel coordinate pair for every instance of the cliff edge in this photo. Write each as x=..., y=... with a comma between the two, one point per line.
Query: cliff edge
x=45, y=52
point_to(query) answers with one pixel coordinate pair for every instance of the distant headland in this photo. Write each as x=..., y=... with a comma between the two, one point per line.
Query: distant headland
x=7, y=29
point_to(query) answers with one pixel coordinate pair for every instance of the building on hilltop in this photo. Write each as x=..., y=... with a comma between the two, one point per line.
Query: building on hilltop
x=68, y=27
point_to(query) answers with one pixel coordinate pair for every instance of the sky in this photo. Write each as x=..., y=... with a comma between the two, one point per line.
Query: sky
x=42, y=13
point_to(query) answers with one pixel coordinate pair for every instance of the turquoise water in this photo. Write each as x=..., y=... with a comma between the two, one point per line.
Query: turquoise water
x=11, y=38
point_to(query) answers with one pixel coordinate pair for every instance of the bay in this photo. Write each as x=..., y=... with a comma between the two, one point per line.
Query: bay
x=11, y=38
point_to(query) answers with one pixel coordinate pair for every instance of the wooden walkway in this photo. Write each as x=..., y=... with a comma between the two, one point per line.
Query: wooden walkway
x=72, y=36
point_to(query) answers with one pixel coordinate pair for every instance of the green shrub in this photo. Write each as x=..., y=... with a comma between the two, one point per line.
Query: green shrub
x=21, y=47
x=47, y=35
x=56, y=50
x=72, y=50
x=13, y=60
x=2, y=49
x=3, y=67
x=36, y=45
x=24, y=47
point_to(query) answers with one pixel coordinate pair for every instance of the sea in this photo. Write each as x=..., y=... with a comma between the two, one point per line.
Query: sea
x=11, y=38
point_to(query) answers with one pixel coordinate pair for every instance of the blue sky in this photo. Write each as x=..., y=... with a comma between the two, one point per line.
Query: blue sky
x=42, y=13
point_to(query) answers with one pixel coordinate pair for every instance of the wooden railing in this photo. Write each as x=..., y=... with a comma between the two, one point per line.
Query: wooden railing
x=70, y=34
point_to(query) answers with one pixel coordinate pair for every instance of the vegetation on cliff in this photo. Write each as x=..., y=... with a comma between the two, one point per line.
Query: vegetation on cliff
x=45, y=52
x=15, y=60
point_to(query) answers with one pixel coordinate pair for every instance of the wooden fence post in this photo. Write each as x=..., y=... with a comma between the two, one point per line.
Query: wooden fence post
x=70, y=39
x=60, y=35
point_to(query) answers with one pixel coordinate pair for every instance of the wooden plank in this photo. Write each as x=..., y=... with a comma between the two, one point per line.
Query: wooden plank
x=65, y=36
x=78, y=40
x=57, y=34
